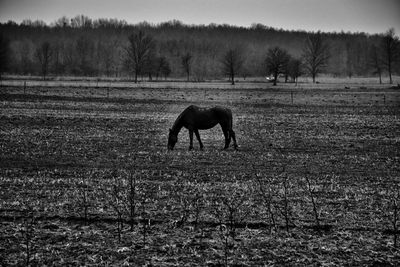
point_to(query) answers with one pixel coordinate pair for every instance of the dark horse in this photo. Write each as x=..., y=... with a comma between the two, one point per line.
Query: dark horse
x=195, y=118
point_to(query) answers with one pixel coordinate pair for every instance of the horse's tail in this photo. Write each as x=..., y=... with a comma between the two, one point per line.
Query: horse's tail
x=230, y=124
x=231, y=133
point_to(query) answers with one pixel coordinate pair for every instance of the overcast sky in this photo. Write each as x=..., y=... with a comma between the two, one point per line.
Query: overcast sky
x=371, y=16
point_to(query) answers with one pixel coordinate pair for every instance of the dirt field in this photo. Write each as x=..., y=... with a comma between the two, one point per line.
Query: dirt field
x=86, y=179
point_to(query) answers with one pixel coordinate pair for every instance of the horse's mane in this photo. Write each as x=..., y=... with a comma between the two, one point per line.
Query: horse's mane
x=177, y=121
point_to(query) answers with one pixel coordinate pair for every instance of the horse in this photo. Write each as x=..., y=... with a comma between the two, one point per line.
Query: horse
x=195, y=118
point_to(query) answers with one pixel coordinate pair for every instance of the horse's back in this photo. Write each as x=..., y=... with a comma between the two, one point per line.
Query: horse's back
x=206, y=118
x=222, y=111
x=217, y=111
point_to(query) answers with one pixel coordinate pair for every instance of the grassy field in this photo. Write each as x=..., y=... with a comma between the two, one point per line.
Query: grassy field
x=85, y=177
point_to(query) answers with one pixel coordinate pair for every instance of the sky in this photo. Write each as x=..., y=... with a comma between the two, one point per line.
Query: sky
x=370, y=16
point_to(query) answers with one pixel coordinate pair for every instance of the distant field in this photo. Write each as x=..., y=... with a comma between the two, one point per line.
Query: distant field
x=315, y=181
x=324, y=82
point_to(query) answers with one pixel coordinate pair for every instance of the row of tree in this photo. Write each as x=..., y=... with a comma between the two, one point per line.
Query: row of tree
x=85, y=47
x=315, y=58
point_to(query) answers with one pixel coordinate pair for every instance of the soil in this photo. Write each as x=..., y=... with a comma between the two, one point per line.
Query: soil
x=86, y=179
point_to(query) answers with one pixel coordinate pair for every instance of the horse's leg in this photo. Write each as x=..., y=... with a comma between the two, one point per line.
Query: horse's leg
x=227, y=135
x=232, y=134
x=191, y=139
x=198, y=139
x=227, y=138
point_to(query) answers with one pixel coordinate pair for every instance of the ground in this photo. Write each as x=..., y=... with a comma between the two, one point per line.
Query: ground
x=86, y=179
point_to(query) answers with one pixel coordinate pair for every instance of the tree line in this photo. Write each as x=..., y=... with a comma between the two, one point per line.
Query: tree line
x=113, y=48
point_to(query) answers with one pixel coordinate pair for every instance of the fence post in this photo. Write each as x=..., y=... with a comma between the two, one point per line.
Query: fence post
x=24, y=87
x=291, y=96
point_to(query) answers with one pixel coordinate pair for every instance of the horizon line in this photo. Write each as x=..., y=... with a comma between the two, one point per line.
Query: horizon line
x=176, y=22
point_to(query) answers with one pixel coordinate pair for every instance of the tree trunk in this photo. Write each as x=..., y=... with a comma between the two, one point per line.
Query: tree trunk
x=389, y=65
x=275, y=78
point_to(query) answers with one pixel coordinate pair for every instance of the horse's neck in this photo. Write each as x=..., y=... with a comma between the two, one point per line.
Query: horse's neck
x=176, y=128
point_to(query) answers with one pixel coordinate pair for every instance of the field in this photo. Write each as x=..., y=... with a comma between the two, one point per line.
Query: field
x=86, y=179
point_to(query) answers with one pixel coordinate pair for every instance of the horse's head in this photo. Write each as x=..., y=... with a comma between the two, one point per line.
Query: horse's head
x=172, y=139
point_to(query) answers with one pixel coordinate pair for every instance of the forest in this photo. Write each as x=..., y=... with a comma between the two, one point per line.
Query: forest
x=81, y=46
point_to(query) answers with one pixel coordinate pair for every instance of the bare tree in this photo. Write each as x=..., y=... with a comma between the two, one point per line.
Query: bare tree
x=150, y=65
x=375, y=62
x=391, y=51
x=163, y=67
x=81, y=21
x=84, y=48
x=187, y=64
x=276, y=61
x=294, y=69
x=107, y=56
x=44, y=55
x=138, y=51
x=232, y=63
x=26, y=57
x=315, y=54
x=62, y=22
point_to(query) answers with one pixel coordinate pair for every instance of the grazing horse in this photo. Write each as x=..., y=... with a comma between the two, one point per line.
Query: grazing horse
x=195, y=118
